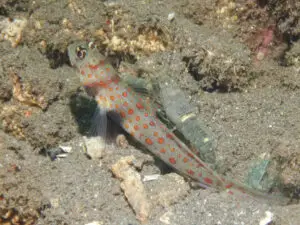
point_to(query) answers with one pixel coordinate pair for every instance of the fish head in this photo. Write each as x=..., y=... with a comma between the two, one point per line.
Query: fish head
x=90, y=63
x=79, y=53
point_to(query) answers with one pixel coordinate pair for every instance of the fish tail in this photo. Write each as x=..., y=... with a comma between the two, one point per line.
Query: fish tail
x=242, y=191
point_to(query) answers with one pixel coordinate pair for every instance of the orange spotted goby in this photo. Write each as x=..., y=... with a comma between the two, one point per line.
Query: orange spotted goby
x=138, y=119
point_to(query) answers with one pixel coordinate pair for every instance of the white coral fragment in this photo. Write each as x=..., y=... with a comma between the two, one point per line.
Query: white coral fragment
x=11, y=30
x=133, y=187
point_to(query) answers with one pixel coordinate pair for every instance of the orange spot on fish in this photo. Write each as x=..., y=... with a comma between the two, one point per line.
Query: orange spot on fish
x=117, y=88
x=126, y=125
x=163, y=150
x=137, y=118
x=191, y=155
x=149, y=141
x=123, y=114
x=118, y=96
x=124, y=94
x=90, y=75
x=190, y=172
x=130, y=120
x=200, y=165
x=103, y=98
x=112, y=98
x=139, y=105
x=229, y=185
x=208, y=180
x=155, y=134
x=110, y=89
x=172, y=160
x=116, y=106
x=96, y=84
x=136, y=127
x=107, y=69
x=125, y=104
x=185, y=160
x=172, y=149
x=82, y=72
x=93, y=67
x=102, y=72
x=130, y=111
x=146, y=114
x=170, y=136
x=145, y=126
x=161, y=140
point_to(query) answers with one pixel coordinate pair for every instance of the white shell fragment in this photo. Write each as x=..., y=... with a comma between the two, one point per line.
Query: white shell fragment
x=171, y=16
x=61, y=155
x=267, y=219
x=94, y=223
x=151, y=177
x=66, y=149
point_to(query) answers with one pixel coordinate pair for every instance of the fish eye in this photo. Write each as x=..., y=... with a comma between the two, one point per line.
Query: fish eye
x=80, y=52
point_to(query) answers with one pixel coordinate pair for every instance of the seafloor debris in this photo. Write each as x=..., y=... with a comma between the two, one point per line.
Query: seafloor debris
x=11, y=116
x=151, y=177
x=58, y=152
x=259, y=176
x=24, y=93
x=94, y=147
x=292, y=57
x=132, y=187
x=165, y=218
x=149, y=39
x=11, y=30
x=122, y=141
x=16, y=215
x=169, y=196
x=290, y=170
x=13, y=217
x=267, y=219
x=95, y=223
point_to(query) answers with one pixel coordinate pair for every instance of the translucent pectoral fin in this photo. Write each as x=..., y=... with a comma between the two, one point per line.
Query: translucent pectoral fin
x=96, y=142
x=99, y=123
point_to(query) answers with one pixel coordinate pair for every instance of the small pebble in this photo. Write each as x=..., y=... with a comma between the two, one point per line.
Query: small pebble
x=171, y=16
